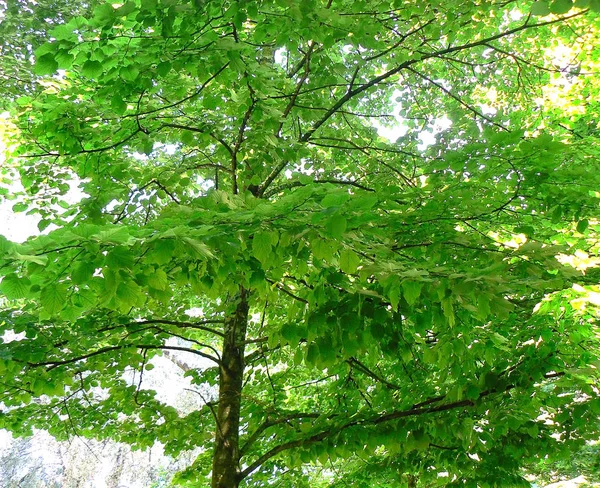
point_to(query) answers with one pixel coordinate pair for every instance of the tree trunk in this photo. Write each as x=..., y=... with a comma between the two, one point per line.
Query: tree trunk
x=226, y=457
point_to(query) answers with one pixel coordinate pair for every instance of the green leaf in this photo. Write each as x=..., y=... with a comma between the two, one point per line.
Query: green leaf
x=349, y=261
x=14, y=287
x=46, y=48
x=53, y=298
x=120, y=257
x=261, y=246
x=113, y=235
x=129, y=72
x=448, y=308
x=118, y=104
x=336, y=226
x=20, y=207
x=393, y=294
x=582, y=225
x=162, y=69
x=322, y=249
x=126, y=9
x=334, y=199
x=83, y=272
x=200, y=248
x=158, y=280
x=561, y=6
x=32, y=258
x=483, y=306
x=64, y=59
x=129, y=294
x=5, y=246
x=92, y=69
x=540, y=8
x=45, y=65
x=312, y=354
x=411, y=291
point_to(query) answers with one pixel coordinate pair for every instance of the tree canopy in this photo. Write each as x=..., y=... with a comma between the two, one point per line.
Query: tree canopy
x=357, y=310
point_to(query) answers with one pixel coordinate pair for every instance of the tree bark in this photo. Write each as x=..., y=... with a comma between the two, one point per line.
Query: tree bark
x=226, y=457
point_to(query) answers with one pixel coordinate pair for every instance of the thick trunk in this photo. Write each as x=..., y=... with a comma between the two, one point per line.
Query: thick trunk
x=226, y=457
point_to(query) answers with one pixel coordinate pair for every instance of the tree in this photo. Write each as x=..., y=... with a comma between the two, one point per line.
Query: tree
x=369, y=312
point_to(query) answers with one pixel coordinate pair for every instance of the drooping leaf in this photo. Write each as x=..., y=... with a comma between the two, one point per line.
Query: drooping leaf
x=349, y=261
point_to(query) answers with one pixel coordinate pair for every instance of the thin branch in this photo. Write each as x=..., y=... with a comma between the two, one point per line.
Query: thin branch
x=162, y=187
x=104, y=350
x=332, y=181
x=458, y=99
x=286, y=291
x=183, y=100
x=270, y=423
x=353, y=92
x=350, y=94
x=139, y=386
x=361, y=367
x=88, y=151
x=201, y=131
x=201, y=325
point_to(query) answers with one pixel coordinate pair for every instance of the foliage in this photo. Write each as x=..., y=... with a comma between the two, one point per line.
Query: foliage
x=584, y=462
x=373, y=312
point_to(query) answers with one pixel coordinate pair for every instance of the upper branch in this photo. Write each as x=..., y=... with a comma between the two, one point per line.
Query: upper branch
x=351, y=93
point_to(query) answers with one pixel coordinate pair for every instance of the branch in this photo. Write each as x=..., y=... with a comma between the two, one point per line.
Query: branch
x=183, y=100
x=458, y=99
x=292, y=102
x=353, y=92
x=88, y=151
x=286, y=291
x=295, y=184
x=320, y=436
x=361, y=367
x=57, y=363
x=279, y=168
x=201, y=325
x=415, y=410
x=270, y=423
x=350, y=94
x=163, y=188
x=201, y=131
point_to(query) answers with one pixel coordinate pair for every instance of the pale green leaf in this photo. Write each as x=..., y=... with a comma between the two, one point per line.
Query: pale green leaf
x=14, y=287
x=261, y=246
x=158, y=280
x=349, y=261
x=117, y=234
x=41, y=259
x=411, y=291
x=200, y=248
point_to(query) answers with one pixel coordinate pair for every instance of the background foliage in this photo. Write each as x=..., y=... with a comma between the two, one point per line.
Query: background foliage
x=381, y=312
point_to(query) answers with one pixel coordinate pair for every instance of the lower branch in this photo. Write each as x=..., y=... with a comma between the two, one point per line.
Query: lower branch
x=416, y=410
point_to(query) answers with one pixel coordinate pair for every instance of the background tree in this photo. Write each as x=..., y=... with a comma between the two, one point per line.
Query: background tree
x=370, y=312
